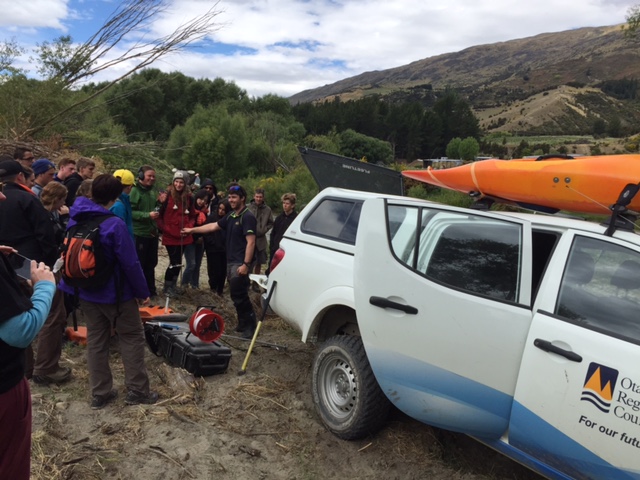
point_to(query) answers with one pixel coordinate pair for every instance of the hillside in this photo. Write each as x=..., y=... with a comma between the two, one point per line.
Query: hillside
x=517, y=80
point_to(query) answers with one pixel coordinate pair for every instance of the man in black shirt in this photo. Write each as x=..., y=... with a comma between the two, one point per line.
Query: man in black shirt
x=240, y=227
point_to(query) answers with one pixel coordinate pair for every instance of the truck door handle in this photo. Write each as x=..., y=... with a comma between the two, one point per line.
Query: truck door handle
x=547, y=346
x=386, y=303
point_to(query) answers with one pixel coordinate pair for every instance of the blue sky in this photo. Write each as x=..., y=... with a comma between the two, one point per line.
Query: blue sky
x=287, y=46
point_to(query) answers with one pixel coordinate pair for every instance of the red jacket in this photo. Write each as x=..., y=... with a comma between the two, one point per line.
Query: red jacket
x=172, y=220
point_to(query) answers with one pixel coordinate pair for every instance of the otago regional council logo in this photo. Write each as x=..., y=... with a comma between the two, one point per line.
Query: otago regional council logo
x=599, y=385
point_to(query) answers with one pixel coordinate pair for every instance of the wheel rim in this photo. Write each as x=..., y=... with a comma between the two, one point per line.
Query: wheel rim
x=337, y=386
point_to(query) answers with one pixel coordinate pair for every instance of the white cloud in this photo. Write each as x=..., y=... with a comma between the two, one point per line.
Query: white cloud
x=285, y=46
x=33, y=14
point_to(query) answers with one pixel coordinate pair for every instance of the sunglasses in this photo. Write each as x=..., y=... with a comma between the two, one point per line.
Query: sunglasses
x=235, y=188
x=29, y=159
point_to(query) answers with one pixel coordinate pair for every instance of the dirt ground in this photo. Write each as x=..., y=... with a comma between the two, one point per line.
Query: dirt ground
x=261, y=425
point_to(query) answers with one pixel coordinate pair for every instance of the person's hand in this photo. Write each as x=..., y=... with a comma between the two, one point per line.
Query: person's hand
x=162, y=197
x=153, y=215
x=144, y=301
x=185, y=231
x=7, y=250
x=243, y=270
x=40, y=272
x=63, y=210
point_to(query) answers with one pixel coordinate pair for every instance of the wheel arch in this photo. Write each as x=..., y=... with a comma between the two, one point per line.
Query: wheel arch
x=333, y=320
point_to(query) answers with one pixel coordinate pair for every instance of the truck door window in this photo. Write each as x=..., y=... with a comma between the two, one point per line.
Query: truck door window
x=471, y=253
x=600, y=288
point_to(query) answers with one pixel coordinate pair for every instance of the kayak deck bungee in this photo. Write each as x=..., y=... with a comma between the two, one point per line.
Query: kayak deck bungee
x=583, y=184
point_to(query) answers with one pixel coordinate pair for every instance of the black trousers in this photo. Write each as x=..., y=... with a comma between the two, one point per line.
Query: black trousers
x=216, y=270
x=239, y=292
x=175, y=263
x=147, y=249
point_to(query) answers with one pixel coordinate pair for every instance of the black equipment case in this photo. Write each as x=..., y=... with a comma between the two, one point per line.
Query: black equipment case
x=182, y=349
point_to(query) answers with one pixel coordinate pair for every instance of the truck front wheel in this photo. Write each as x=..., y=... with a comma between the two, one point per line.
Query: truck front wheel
x=345, y=391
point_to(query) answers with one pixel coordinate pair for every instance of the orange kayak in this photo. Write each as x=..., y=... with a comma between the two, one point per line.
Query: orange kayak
x=583, y=184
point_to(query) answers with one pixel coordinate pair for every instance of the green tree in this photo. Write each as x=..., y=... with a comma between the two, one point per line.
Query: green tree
x=469, y=149
x=614, y=128
x=599, y=127
x=212, y=142
x=456, y=116
x=356, y=145
x=633, y=21
x=453, y=148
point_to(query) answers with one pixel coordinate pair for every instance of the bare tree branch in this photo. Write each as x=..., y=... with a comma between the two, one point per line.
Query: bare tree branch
x=130, y=17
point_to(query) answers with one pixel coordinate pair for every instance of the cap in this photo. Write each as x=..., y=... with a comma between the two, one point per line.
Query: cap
x=181, y=175
x=9, y=168
x=42, y=165
x=125, y=176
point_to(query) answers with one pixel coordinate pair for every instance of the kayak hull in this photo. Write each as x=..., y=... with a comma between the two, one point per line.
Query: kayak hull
x=584, y=184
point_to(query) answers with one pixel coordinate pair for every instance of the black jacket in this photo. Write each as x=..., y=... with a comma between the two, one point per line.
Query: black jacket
x=72, y=182
x=26, y=225
x=280, y=225
x=14, y=302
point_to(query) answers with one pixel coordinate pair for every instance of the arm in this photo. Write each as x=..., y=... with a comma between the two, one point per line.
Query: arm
x=207, y=228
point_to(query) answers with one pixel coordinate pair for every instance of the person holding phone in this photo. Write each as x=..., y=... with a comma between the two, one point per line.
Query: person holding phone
x=21, y=318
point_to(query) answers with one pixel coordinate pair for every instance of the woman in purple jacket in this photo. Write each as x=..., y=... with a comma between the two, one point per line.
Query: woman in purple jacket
x=113, y=306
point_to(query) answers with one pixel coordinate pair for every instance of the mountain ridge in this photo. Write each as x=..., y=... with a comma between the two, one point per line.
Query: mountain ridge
x=500, y=74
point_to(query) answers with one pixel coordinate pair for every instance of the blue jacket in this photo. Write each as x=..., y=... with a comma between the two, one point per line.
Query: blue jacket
x=118, y=248
x=122, y=209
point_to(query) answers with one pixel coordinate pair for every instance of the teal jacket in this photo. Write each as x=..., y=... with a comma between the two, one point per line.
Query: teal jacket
x=122, y=209
x=143, y=202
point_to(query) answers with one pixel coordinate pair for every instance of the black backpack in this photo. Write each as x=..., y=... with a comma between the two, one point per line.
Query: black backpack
x=85, y=265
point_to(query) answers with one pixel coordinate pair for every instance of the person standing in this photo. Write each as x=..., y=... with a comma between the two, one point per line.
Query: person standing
x=24, y=156
x=45, y=171
x=191, y=274
x=52, y=198
x=145, y=207
x=84, y=170
x=66, y=167
x=122, y=207
x=113, y=306
x=280, y=224
x=21, y=318
x=263, y=215
x=240, y=227
x=26, y=226
x=214, y=245
x=176, y=213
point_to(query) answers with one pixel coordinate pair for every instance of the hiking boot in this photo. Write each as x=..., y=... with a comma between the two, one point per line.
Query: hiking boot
x=59, y=376
x=137, y=398
x=101, y=401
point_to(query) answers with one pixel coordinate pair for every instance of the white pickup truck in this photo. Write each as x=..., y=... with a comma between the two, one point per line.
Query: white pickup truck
x=520, y=330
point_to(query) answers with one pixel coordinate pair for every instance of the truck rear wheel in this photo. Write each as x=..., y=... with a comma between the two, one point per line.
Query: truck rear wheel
x=345, y=391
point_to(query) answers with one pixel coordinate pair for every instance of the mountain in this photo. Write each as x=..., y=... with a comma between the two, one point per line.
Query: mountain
x=560, y=82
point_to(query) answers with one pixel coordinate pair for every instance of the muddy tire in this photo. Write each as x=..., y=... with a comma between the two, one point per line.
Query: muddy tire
x=345, y=392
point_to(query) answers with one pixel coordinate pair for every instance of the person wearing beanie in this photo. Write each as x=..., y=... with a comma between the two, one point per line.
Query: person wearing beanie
x=212, y=190
x=177, y=212
x=122, y=206
x=44, y=170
